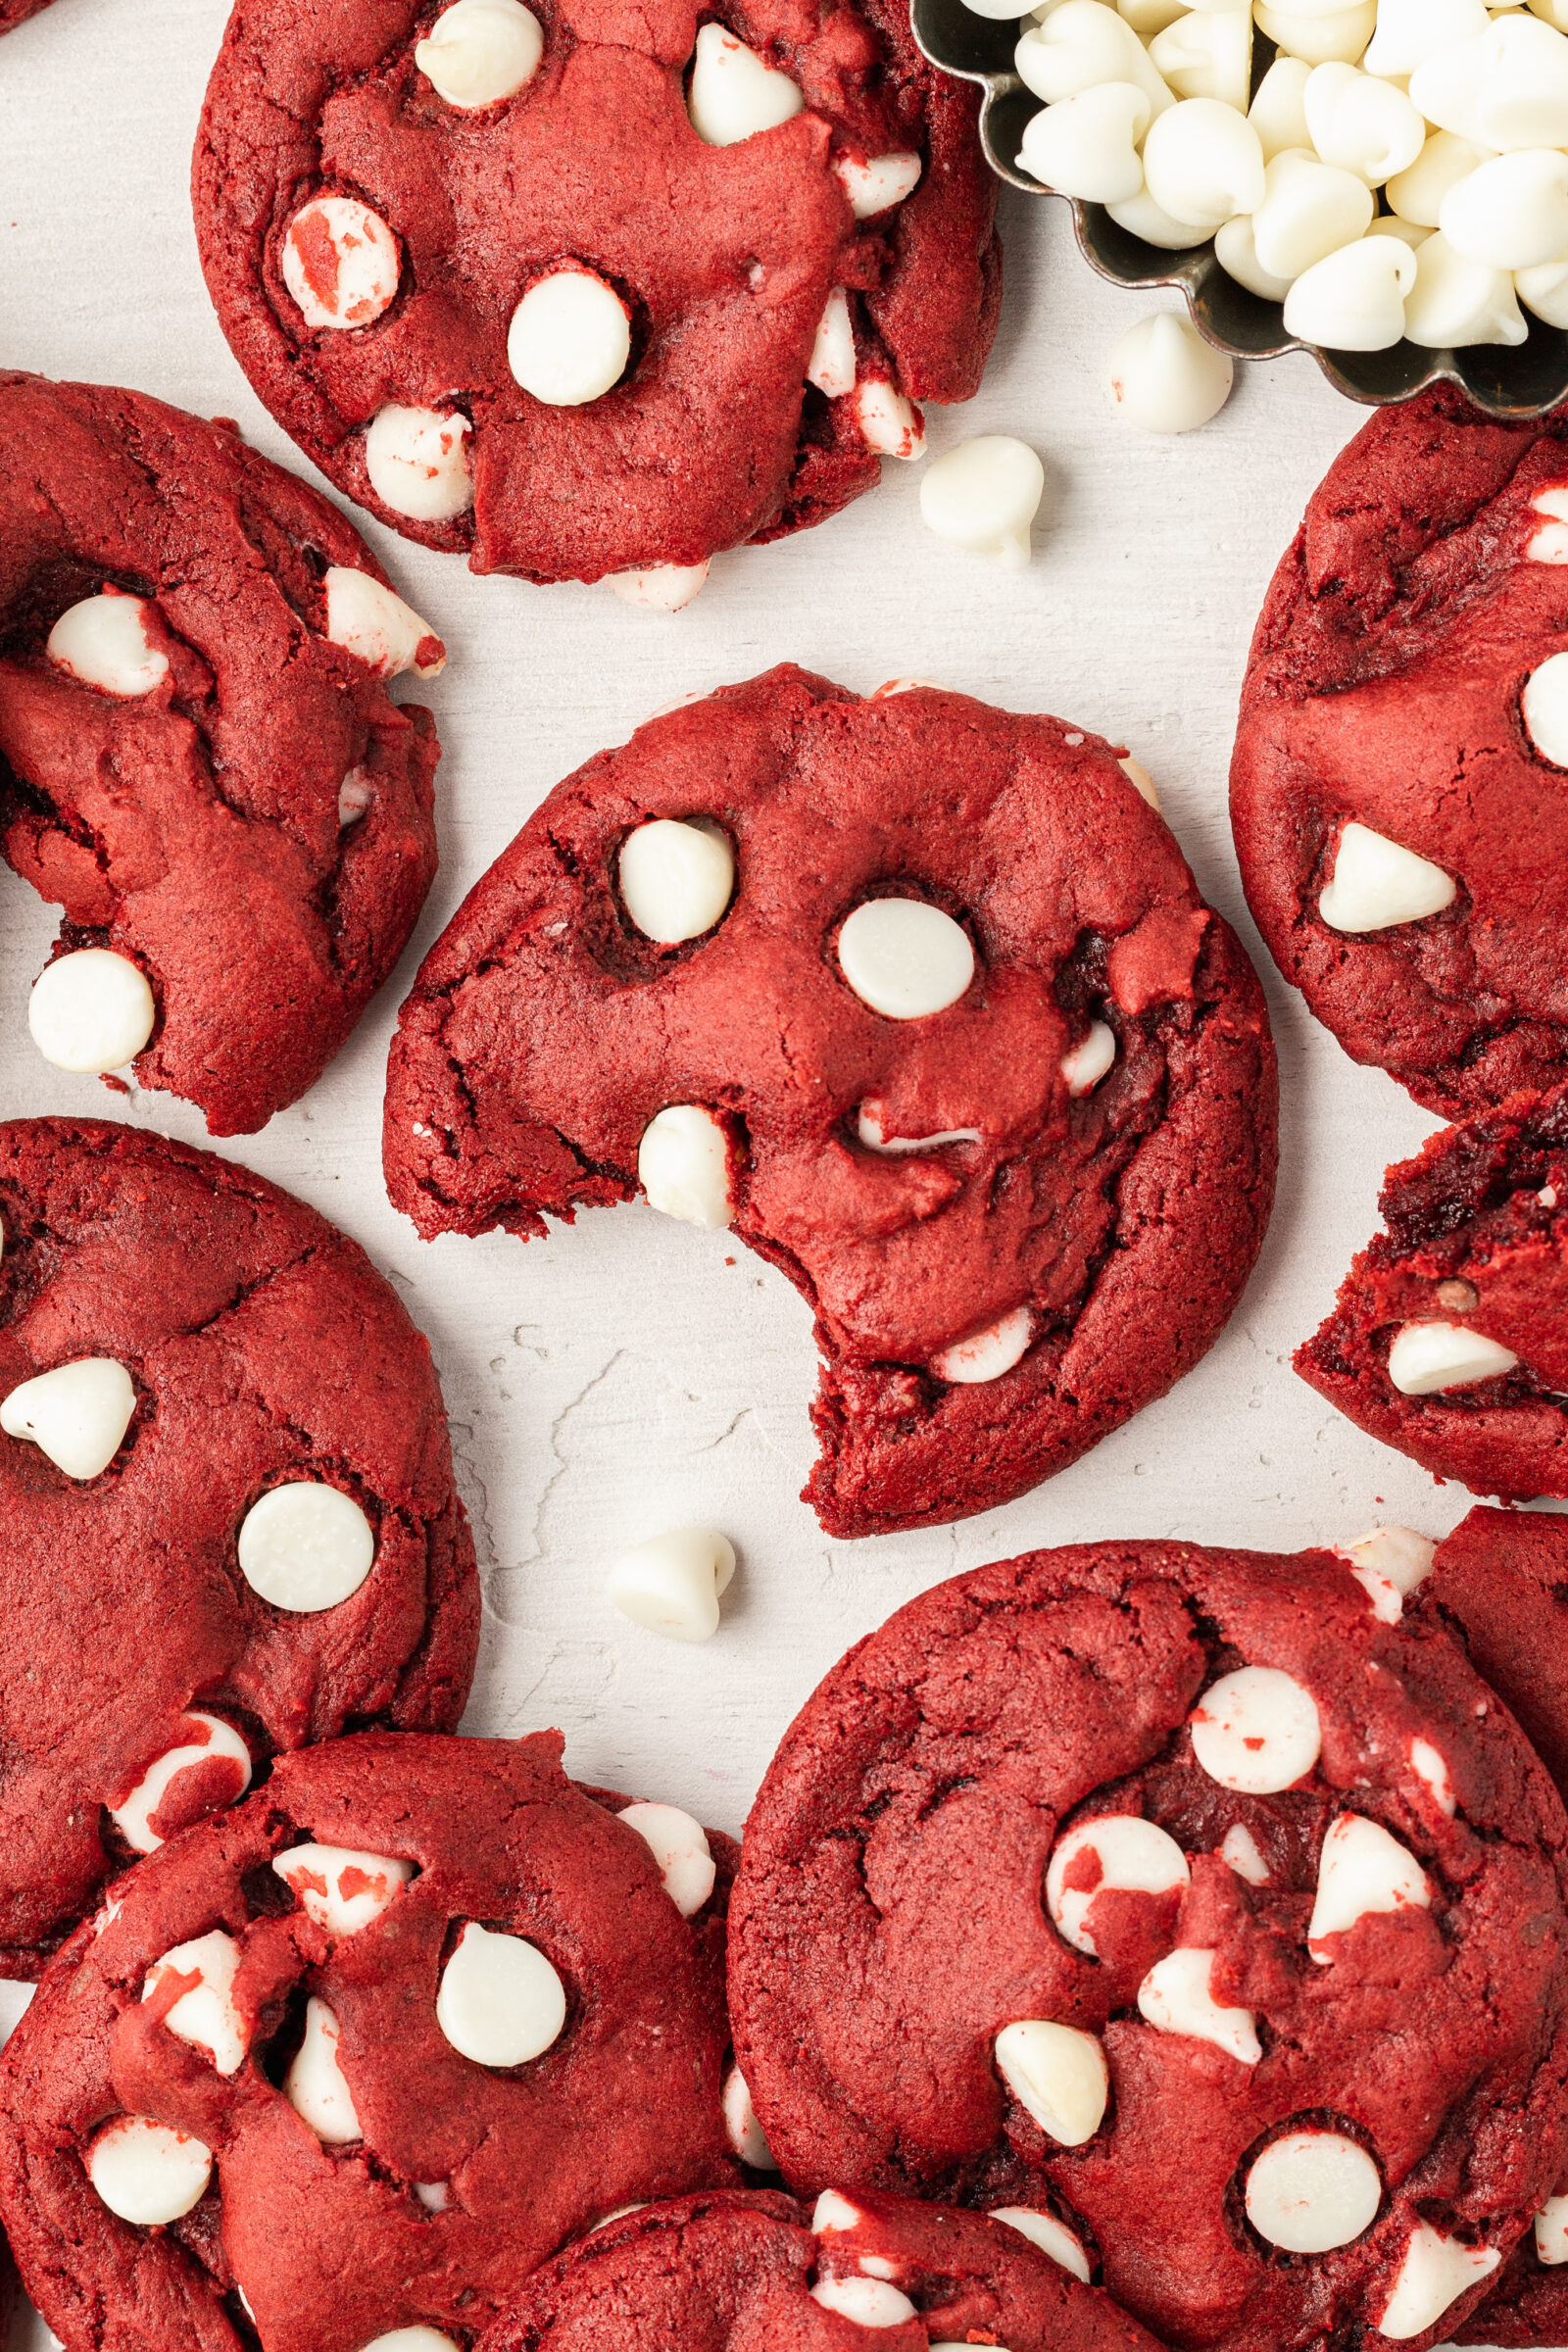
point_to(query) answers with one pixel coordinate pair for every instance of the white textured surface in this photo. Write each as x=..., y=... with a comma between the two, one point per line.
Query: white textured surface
x=621, y=1378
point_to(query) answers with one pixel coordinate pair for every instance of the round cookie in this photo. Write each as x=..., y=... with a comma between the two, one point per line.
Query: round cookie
x=227, y=1518
x=920, y=997
x=408, y=2069
x=1448, y=1338
x=730, y=2273
x=1398, y=786
x=481, y=266
x=1193, y=1892
x=199, y=758
x=12, y=14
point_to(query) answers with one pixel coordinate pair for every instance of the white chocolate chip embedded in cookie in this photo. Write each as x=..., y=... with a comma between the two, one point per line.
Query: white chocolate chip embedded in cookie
x=341, y=1888
x=1256, y=1731
x=1131, y=1855
x=500, y=2002
x=103, y=642
x=1310, y=2191
x=341, y=263
x=77, y=1414
x=569, y=339
x=306, y=1546
x=1057, y=2074
x=91, y=1012
x=479, y=52
x=733, y=94
x=679, y=1846
x=1362, y=1869
x=147, y=2173
x=418, y=462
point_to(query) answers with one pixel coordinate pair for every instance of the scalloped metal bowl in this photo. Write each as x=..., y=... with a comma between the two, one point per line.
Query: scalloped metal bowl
x=1522, y=382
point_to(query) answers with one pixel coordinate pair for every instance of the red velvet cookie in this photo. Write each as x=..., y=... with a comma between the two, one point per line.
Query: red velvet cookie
x=14, y=12
x=921, y=999
x=1449, y=1335
x=481, y=264
x=1398, y=791
x=1186, y=1894
x=356, y=2056
x=735, y=2272
x=227, y=1519
x=199, y=759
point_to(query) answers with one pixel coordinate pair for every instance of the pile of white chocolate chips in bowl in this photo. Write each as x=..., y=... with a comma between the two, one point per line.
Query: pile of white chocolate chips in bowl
x=1399, y=169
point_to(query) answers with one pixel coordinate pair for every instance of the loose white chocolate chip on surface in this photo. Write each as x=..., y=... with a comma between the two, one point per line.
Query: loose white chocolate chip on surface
x=1175, y=1998
x=869, y=2302
x=1057, y=2074
x=315, y=2085
x=1428, y=1765
x=1551, y=2232
x=675, y=879
x=904, y=959
x=831, y=367
x=206, y=2016
x=147, y=2173
x=306, y=1547
x=983, y=496
x=1544, y=707
x=1311, y=2192
x=571, y=337
x=987, y=1354
x=889, y=423
x=1052, y=2237
x=1255, y=1731
x=102, y=642
x=368, y=621
x=340, y=1888
x=683, y=1166
x=1435, y=2272
x=1135, y=1857
x=1378, y=883
x=879, y=183
x=500, y=2002
x=834, y=2212
x=1240, y=1848
x=341, y=263
x=1362, y=1869
x=679, y=1846
x=417, y=464
x=741, y=2126
x=134, y=1816
x=661, y=588
x=1165, y=379
x=77, y=1414
x=479, y=52
x=91, y=1012
x=733, y=95
x=672, y=1583
x=1088, y=1063
x=1427, y=1359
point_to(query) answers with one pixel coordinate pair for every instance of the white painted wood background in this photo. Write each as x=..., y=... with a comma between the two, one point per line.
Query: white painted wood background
x=618, y=1378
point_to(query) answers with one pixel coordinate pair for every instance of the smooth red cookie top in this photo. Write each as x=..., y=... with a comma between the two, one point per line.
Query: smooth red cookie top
x=201, y=829
x=263, y=1351
x=1424, y=590
x=1114, y=1226
x=922, y=1875
x=736, y=2273
x=724, y=257
x=465, y=2173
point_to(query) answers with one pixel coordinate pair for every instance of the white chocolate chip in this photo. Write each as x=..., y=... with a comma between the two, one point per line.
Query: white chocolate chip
x=983, y=496
x=1435, y=2272
x=1142, y=782
x=1311, y=2192
x=833, y=2212
x=500, y=2002
x=672, y=1583
x=1240, y=1848
x=879, y=183
x=206, y=2016
x=417, y=2338
x=1142, y=216
x=1203, y=162
x=1318, y=34
x=1361, y=1869
x=91, y=1012
x=148, y=2172
x=1551, y=2232
x=368, y=621
x=870, y=1128
x=77, y=1414
x=1409, y=31
x=1309, y=210
x=890, y=424
x=1278, y=112
x=683, y=1166
x=675, y=879
x=341, y=263
x=1428, y=1765
x=1427, y=1359
x=434, y=2196
x=679, y=1846
x=1086, y=146
x=1080, y=45
x=1052, y=2237
x=1135, y=1857
x=135, y=1815
x=868, y=2302
x=1057, y=2074
x=1550, y=544
x=661, y=588
x=1207, y=54
x=1175, y=1998
x=741, y=2126
x=1235, y=250
x=1376, y=882
x=1361, y=124
x=831, y=367
x=1388, y=1564
x=1545, y=290
x=986, y=1355
x=1417, y=194
x=1085, y=1066
x=481, y=51
x=102, y=642
x=1354, y=300
x=1255, y=1731
x=315, y=2085
x=570, y=336
x=1507, y=88
x=1164, y=376
x=1544, y=706
x=340, y=1888
x=904, y=959
x=306, y=1546
x=417, y=464
x=1511, y=213
x=355, y=796
x=733, y=95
